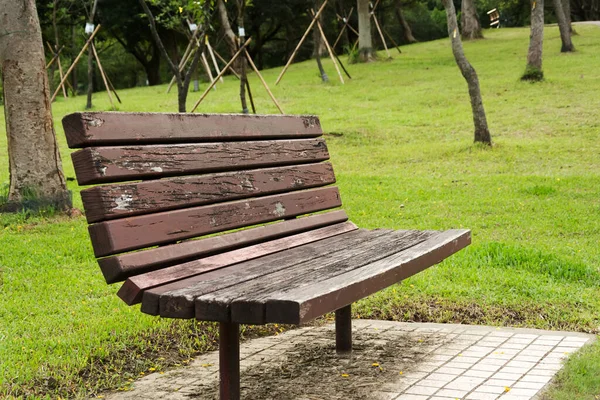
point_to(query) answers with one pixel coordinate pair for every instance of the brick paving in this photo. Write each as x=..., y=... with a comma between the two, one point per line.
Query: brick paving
x=468, y=362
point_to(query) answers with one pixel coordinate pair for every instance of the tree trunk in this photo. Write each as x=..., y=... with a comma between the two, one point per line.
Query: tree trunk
x=90, y=88
x=482, y=133
x=564, y=27
x=365, y=42
x=242, y=60
x=406, y=31
x=533, y=71
x=36, y=177
x=183, y=80
x=471, y=29
x=318, y=45
x=74, y=81
x=152, y=68
x=567, y=8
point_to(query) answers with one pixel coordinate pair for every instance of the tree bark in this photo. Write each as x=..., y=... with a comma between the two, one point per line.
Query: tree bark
x=564, y=27
x=365, y=42
x=533, y=71
x=36, y=177
x=406, y=31
x=482, y=133
x=90, y=88
x=471, y=29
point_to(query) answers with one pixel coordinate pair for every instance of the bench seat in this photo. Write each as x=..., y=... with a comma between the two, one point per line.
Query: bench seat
x=234, y=219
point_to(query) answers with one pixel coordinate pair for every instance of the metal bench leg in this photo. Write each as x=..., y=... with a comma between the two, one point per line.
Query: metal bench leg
x=229, y=360
x=343, y=329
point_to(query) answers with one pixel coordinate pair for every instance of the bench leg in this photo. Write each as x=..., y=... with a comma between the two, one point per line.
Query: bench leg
x=229, y=360
x=343, y=329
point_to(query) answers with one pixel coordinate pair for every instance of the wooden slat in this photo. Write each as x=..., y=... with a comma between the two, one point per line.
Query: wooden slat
x=116, y=201
x=216, y=306
x=177, y=299
x=118, y=268
x=117, y=164
x=132, y=289
x=248, y=301
x=302, y=305
x=106, y=128
x=134, y=233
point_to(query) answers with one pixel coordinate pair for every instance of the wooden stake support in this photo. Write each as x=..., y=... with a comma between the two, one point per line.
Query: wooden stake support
x=300, y=42
x=60, y=72
x=393, y=41
x=337, y=68
x=225, y=62
x=235, y=56
x=381, y=35
x=346, y=21
x=207, y=68
x=103, y=77
x=54, y=56
x=85, y=46
x=262, y=80
x=214, y=60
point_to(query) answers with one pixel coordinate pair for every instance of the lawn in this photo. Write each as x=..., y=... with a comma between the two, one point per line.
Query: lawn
x=400, y=134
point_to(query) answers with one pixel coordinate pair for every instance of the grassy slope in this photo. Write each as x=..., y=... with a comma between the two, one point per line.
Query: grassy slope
x=405, y=160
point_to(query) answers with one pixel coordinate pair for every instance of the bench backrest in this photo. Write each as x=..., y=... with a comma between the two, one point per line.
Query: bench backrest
x=172, y=177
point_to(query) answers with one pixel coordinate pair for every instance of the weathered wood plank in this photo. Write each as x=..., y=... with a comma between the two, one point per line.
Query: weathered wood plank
x=216, y=306
x=132, y=290
x=116, y=236
x=117, y=201
x=213, y=304
x=248, y=302
x=118, y=268
x=302, y=305
x=106, y=128
x=177, y=299
x=117, y=164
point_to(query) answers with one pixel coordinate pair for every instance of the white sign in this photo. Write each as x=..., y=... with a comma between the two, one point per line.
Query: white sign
x=241, y=31
x=193, y=27
x=89, y=28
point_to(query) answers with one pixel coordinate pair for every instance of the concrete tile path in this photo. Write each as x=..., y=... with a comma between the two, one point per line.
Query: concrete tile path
x=461, y=362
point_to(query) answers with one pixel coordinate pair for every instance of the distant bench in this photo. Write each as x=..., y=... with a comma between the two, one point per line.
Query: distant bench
x=169, y=178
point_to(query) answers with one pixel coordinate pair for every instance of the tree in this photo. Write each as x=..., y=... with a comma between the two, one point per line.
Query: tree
x=36, y=177
x=90, y=88
x=125, y=21
x=564, y=26
x=318, y=44
x=482, y=133
x=406, y=31
x=469, y=22
x=365, y=42
x=183, y=79
x=533, y=71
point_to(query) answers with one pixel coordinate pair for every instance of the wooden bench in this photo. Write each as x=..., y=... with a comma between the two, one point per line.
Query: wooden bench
x=170, y=178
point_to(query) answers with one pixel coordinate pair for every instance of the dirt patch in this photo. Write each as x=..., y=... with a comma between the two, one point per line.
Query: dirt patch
x=313, y=371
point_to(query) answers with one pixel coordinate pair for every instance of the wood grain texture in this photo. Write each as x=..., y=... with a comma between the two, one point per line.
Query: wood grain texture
x=132, y=289
x=117, y=201
x=248, y=301
x=116, y=236
x=177, y=299
x=118, y=268
x=303, y=304
x=109, y=128
x=248, y=297
x=122, y=163
x=200, y=296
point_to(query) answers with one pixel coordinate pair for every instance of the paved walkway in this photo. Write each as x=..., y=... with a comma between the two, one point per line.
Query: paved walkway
x=438, y=362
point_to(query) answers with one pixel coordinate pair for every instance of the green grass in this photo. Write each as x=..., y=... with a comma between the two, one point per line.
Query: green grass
x=401, y=142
